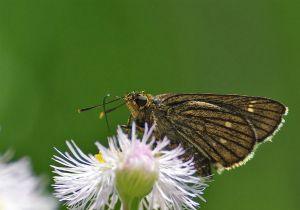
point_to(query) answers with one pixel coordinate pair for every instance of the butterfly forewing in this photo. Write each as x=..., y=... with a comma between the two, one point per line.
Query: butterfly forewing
x=226, y=128
x=265, y=114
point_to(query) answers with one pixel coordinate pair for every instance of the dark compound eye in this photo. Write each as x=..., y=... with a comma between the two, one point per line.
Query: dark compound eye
x=141, y=100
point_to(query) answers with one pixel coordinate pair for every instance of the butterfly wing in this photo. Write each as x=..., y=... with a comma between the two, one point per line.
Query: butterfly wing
x=265, y=114
x=224, y=128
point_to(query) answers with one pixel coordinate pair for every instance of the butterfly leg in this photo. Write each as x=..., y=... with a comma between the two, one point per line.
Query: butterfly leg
x=127, y=127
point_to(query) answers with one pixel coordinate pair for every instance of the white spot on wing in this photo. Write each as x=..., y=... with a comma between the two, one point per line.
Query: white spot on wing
x=250, y=110
x=223, y=141
x=228, y=124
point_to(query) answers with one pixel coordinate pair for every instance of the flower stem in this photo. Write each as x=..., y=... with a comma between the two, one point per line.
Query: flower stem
x=131, y=204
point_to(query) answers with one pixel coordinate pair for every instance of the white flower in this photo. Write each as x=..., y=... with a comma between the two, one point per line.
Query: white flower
x=127, y=168
x=176, y=186
x=20, y=189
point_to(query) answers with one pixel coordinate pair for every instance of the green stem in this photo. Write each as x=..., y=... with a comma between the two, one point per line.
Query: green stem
x=131, y=204
x=135, y=203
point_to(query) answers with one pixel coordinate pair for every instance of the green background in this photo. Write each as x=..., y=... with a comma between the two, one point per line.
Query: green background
x=59, y=56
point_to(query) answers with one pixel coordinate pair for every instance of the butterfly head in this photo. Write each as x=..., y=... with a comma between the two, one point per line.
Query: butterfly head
x=138, y=101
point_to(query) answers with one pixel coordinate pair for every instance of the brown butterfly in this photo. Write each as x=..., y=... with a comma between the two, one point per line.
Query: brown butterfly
x=221, y=131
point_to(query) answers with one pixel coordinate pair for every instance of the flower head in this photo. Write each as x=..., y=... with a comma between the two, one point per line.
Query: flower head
x=138, y=168
x=127, y=170
x=20, y=189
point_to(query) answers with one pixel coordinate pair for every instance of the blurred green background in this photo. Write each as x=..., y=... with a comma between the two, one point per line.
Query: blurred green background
x=59, y=56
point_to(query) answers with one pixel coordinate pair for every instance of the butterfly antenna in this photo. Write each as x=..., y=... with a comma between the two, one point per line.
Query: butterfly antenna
x=93, y=107
x=105, y=112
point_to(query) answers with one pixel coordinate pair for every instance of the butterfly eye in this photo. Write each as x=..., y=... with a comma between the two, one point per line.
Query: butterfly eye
x=141, y=100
